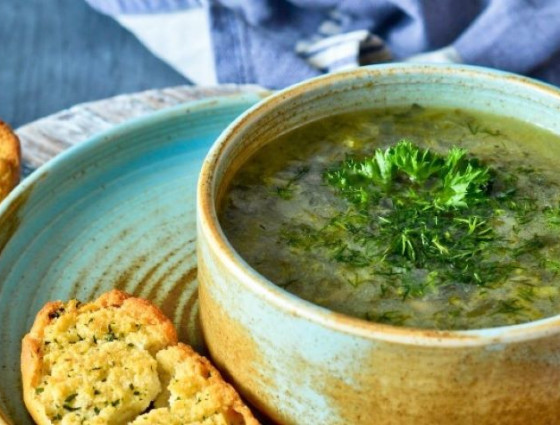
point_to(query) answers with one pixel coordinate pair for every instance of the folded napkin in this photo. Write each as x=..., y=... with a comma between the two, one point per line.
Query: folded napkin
x=276, y=43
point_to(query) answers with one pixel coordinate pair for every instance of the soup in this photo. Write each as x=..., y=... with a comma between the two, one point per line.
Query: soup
x=429, y=218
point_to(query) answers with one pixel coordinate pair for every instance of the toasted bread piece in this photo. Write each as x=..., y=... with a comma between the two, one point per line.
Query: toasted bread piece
x=10, y=159
x=195, y=393
x=94, y=361
x=116, y=361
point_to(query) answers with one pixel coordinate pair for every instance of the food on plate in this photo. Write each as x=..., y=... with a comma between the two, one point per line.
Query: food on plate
x=9, y=160
x=421, y=217
x=117, y=361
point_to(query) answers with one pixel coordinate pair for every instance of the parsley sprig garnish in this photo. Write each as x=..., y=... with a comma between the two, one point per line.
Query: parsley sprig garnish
x=434, y=181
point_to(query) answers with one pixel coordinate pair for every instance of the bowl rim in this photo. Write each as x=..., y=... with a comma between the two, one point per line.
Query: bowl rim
x=210, y=229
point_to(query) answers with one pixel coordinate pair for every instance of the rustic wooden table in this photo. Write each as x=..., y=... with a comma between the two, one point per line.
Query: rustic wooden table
x=42, y=139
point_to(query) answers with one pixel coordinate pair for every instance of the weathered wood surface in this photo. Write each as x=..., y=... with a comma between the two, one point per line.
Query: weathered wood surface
x=43, y=139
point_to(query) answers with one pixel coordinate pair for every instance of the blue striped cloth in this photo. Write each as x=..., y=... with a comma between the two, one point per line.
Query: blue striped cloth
x=275, y=43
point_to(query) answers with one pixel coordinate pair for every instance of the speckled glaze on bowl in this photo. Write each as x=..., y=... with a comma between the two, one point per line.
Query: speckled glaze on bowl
x=303, y=364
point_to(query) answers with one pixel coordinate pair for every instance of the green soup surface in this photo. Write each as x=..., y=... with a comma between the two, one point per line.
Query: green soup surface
x=419, y=217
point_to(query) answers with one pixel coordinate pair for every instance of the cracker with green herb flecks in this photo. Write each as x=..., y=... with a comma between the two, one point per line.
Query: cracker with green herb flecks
x=116, y=360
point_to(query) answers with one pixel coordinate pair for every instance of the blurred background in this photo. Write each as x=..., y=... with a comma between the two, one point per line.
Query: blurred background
x=56, y=53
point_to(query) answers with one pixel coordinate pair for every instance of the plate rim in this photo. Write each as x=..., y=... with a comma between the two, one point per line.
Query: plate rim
x=130, y=125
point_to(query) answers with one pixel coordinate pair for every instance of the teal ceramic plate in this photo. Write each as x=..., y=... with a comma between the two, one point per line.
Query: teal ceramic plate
x=117, y=211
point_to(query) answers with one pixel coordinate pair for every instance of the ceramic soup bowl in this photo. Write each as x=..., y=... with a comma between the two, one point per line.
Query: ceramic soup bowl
x=303, y=364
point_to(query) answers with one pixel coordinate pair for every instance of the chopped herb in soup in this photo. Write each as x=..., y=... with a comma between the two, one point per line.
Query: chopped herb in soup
x=418, y=217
